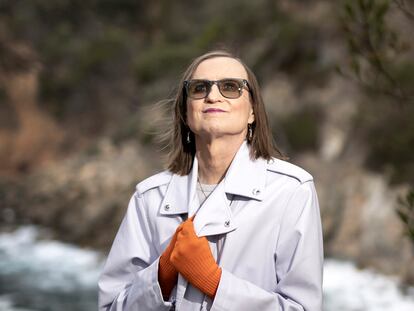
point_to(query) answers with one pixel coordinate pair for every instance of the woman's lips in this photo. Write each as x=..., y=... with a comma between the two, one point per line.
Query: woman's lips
x=213, y=110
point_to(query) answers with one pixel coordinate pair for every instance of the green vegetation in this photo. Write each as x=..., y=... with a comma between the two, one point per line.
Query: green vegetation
x=165, y=59
x=102, y=60
x=373, y=47
x=405, y=210
x=302, y=129
x=389, y=134
x=380, y=61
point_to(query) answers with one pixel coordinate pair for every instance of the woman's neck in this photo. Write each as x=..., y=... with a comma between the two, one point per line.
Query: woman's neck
x=214, y=158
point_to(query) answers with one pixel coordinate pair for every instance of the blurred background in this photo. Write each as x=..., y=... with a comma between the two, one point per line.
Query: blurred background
x=79, y=83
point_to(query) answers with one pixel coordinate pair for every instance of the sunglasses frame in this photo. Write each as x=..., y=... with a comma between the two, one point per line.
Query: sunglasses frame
x=243, y=83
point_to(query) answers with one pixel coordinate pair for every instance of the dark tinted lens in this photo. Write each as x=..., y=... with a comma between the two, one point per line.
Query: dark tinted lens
x=197, y=89
x=230, y=88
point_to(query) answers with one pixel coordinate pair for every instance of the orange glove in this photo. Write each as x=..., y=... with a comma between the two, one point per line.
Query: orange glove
x=192, y=257
x=167, y=274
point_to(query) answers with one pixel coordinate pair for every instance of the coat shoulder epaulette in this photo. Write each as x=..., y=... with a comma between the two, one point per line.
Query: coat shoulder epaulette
x=289, y=169
x=154, y=181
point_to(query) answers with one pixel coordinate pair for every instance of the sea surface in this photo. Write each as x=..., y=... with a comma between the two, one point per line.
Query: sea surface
x=46, y=275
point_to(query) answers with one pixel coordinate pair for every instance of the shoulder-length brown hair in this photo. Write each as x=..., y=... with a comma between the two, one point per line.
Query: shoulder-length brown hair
x=181, y=154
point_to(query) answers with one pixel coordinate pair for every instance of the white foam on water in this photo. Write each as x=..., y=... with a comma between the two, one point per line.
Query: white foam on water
x=48, y=264
x=347, y=288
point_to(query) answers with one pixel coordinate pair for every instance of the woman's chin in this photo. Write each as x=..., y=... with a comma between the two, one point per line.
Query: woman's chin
x=216, y=133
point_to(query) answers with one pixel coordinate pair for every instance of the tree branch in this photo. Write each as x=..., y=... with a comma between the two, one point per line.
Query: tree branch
x=401, y=5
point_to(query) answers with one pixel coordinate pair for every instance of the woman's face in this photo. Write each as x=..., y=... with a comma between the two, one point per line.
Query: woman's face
x=217, y=116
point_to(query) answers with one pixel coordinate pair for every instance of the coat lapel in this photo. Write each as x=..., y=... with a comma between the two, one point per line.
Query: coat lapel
x=180, y=194
x=245, y=177
x=214, y=216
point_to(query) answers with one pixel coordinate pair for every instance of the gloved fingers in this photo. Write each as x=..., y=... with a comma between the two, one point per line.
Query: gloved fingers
x=190, y=244
x=173, y=241
x=180, y=226
x=188, y=229
x=185, y=222
x=174, y=237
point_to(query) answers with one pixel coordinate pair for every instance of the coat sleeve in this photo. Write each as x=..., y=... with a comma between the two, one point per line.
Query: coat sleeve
x=298, y=260
x=129, y=280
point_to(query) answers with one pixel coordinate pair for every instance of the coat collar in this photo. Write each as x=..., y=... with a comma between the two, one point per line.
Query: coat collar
x=245, y=177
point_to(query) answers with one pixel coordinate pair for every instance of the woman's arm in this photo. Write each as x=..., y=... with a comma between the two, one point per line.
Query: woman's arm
x=299, y=264
x=129, y=280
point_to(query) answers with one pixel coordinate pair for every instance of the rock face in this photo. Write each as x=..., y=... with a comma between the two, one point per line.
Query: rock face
x=357, y=206
x=34, y=138
x=359, y=218
x=83, y=199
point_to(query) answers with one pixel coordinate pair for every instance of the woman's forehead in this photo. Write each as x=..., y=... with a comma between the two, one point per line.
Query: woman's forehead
x=219, y=68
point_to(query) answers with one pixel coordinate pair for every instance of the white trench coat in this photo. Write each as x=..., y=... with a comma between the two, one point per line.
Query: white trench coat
x=264, y=229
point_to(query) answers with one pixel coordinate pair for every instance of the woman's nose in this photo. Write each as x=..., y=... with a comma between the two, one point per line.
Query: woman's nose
x=214, y=94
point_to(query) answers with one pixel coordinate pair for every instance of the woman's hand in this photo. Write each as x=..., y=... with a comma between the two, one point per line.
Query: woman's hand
x=192, y=257
x=167, y=274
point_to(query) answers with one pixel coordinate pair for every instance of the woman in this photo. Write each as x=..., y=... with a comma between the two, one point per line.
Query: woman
x=229, y=225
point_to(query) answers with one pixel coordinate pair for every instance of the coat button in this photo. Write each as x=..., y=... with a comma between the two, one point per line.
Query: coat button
x=256, y=191
x=167, y=207
x=227, y=223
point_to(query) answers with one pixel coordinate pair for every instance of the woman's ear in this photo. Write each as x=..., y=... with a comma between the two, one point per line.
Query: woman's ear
x=251, y=116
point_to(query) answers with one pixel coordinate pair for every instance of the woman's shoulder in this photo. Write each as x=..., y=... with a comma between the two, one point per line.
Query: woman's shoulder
x=154, y=181
x=283, y=167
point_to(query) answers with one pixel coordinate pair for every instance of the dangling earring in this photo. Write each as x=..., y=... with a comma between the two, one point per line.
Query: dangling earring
x=250, y=132
x=188, y=137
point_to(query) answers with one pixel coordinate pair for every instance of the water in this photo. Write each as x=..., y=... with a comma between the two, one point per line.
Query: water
x=348, y=289
x=43, y=275
x=46, y=275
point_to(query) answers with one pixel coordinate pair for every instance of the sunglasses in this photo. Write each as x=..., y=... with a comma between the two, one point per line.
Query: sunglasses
x=229, y=88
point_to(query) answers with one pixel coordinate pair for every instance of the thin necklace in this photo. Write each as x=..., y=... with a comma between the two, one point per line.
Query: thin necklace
x=205, y=195
x=201, y=187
